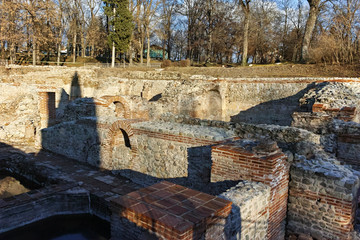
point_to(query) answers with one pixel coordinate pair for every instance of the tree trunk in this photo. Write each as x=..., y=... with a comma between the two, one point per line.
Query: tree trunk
x=83, y=40
x=2, y=49
x=169, y=47
x=74, y=48
x=209, y=54
x=11, y=53
x=15, y=51
x=34, y=51
x=148, y=48
x=295, y=49
x=59, y=48
x=309, y=28
x=113, y=55
x=163, y=50
x=93, y=50
x=58, y=54
x=141, y=50
x=113, y=46
x=245, y=36
x=189, y=50
x=131, y=50
x=130, y=55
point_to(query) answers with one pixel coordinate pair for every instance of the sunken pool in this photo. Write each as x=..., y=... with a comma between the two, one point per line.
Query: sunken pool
x=12, y=184
x=65, y=227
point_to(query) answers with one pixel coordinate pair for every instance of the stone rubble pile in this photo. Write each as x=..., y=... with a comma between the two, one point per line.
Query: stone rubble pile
x=334, y=94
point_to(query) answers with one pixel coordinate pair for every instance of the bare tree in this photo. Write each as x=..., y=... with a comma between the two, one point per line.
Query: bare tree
x=149, y=21
x=167, y=19
x=61, y=15
x=245, y=6
x=40, y=16
x=315, y=6
x=345, y=15
x=94, y=26
x=192, y=10
x=10, y=27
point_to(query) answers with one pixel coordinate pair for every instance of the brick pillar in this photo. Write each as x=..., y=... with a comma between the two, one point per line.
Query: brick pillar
x=47, y=109
x=322, y=201
x=260, y=162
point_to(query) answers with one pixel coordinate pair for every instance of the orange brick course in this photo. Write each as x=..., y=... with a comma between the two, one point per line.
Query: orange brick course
x=176, y=138
x=345, y=113
x=172, y=211
x=231, y=162
x=47, y=108
x=342, y=225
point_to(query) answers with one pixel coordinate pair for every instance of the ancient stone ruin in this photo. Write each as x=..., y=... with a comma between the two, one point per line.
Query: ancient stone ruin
x=163, y=155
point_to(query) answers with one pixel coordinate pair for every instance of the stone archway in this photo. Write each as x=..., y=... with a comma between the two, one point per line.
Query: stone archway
x=119, y=109
x=120, y=145
x=122, y=108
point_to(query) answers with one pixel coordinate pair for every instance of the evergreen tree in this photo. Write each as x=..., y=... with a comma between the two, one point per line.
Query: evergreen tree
x=120, y=20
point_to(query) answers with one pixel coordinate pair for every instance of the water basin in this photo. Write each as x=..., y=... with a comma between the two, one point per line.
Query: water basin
x=69, y=227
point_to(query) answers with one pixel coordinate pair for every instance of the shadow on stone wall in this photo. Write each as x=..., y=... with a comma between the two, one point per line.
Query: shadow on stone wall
x=277, y=112
x=198, y=173
x=75, y=91
x=81, y=140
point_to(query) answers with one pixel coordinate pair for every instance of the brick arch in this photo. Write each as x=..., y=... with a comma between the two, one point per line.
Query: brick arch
x=112, y=99
x=126, y=127
x=114, y=129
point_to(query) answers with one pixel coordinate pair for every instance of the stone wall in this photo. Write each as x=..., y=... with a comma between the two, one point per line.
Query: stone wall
x=19, y=119
x=77, y=140
x=174, y=151
x=249, y=216
x=348, y=142
x=139, y=150
x=322, y=200
x=100, y=120
x=261, y=162
x=270, y=101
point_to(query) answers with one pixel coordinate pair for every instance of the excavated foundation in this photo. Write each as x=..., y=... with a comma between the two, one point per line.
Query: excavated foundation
x=161, y=155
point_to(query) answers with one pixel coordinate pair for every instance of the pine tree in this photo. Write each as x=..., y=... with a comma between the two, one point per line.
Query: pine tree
x=120, y=20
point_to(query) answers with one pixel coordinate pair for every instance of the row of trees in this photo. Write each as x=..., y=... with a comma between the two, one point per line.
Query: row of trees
x=223, y=31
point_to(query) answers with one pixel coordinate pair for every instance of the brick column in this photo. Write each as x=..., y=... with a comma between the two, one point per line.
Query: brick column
x=260, y=162
x=47, y=109
x=322, y=201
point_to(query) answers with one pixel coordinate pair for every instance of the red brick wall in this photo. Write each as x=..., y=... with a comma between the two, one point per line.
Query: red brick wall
x=232, y=162
x=47, y=108
x=170, y=211
x=344, y=113
x=320, y=205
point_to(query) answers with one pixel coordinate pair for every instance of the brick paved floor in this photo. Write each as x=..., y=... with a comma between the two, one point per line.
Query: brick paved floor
x=97, y=181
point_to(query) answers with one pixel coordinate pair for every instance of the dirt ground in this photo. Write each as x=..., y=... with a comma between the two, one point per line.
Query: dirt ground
x=281, y=70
